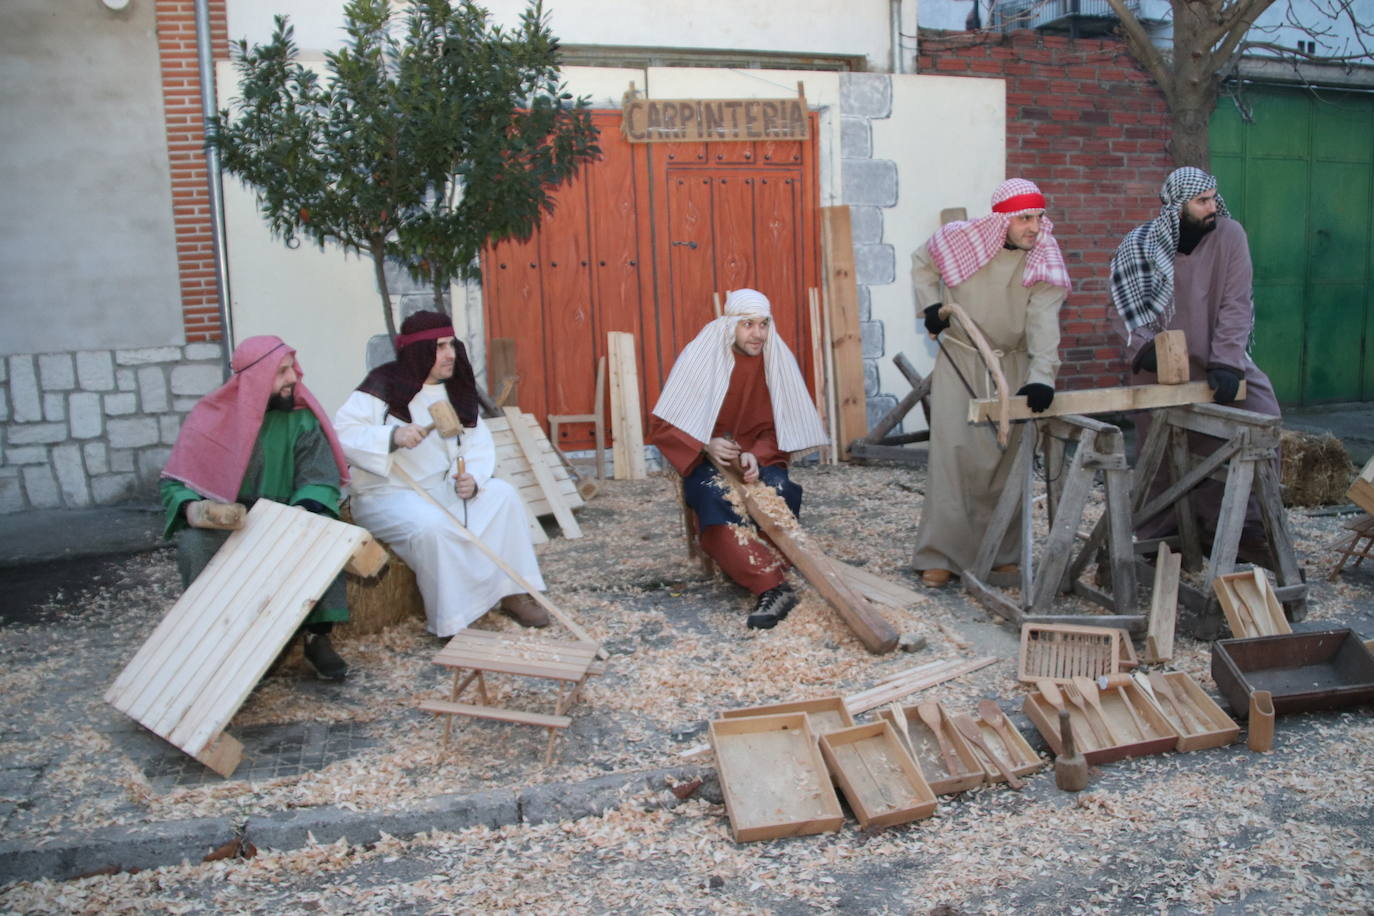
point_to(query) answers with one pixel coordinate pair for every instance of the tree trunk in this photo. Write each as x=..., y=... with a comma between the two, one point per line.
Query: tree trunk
x=436, y=281
x=377, y=247
x=1193, y=95
x=1190, y=127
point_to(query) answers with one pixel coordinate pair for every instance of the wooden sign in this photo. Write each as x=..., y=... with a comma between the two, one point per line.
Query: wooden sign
x=714, y=120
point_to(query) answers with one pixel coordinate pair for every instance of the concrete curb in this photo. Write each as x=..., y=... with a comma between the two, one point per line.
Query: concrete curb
x=174, y=842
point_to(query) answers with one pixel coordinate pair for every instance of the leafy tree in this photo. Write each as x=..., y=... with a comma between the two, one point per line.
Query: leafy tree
x=1209, y=39
x=433, y=134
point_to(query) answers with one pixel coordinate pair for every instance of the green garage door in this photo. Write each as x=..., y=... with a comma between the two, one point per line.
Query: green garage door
x=1300, y=177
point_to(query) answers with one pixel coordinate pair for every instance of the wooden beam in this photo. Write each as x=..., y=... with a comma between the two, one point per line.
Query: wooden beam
x=842, y=297
x=626, y=425
x=873, y=630
x=1361, y=491
x=502, y=376
x=1159, y=638
x=1171, y=357
x=1102, y=400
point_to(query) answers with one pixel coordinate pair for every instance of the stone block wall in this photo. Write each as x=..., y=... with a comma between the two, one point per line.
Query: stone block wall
x=870, y=185
x=1089, y=126
x=95, y=427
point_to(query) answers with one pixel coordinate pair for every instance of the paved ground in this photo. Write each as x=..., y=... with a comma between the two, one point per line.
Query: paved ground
x=83, y=789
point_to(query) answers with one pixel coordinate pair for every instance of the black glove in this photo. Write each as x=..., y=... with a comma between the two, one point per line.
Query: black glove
x=1225, y=382
x=1038, y=397
x=934, y=323
x=1146, y=360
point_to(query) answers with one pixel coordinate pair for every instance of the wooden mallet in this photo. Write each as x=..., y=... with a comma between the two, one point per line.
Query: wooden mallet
x=445, y=420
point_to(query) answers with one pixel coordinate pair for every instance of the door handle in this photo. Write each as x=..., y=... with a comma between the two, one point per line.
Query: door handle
x=691, y=245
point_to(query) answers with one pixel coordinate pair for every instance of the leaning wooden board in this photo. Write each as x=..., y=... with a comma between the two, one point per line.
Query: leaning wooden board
x=512, y=467
x=1361, y=491
x=193, y=673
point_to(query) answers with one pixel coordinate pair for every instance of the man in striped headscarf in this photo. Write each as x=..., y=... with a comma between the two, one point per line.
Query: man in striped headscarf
x=1189, y=269
x=1006, y=271
x=737, y=394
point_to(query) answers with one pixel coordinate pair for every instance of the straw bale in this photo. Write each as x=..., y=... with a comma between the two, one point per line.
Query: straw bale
x=385, y=600
x=1315, y=470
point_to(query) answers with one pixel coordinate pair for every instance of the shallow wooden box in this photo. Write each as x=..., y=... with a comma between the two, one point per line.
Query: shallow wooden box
x=925, y=750
x=773, y=777
x=825, y=714
x=1021, y=758
x=1250, y=605
x=883, y=784
x=1159, y=736
x=1221, y=729
x=1061, y=652
x=1321, y=669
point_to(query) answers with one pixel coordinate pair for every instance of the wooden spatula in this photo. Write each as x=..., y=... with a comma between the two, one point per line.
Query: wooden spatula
x=970, y=730
x=991, y=713
x=929, y=712
x=1089, y=691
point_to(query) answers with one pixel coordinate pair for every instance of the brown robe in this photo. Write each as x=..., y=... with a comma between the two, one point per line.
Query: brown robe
x=968, y=469
x=746, y=414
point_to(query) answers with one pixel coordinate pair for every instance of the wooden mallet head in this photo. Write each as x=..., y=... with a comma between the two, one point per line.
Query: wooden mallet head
x=445, y=419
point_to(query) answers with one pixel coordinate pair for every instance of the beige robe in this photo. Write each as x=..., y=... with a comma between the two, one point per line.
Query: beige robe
x=967, y=467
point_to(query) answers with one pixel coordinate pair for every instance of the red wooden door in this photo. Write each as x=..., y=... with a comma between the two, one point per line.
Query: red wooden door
x=639, y=242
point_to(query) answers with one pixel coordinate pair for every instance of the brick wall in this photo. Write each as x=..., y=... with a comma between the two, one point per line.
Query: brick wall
x=1087, y=124
x=176, y=41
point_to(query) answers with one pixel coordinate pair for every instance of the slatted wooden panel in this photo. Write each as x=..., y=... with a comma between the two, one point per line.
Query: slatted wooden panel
x=512, y=467
x=193, y=673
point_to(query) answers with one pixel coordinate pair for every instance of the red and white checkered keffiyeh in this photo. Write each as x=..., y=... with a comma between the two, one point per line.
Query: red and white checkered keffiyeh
x=960, y=249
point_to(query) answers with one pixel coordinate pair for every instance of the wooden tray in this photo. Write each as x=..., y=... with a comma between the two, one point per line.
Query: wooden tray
x=883, y=784
x=825, y=714
x=1209, y=725
x=773, y=778
x=925, y=750
x=1250, y=605
x=1061, y=652
x=1321, y=669
x=1021, y=758
x=1159, y=736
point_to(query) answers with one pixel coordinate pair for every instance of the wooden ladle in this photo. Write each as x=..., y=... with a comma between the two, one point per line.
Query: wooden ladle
x=974, y=735
x=991, y=713
x=929, y=712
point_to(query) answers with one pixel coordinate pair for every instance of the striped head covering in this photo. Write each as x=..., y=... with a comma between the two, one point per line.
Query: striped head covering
x=961, y=248
x=1143, y=267
x=696, y=387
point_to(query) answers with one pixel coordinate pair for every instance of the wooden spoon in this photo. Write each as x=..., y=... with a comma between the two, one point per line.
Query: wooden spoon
x=991, y=713
x=1163, y=688
x=974, y=735
x=1073, y=696
x=1088, y=689
x=929, y=712
x=1050, y=691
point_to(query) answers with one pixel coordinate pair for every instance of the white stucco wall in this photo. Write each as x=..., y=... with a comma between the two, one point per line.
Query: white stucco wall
x=947, y=136
x=858, y=27
x=87, y=253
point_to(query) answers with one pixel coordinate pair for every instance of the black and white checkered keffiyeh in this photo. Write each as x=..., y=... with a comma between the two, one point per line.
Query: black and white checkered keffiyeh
x=1143, y=266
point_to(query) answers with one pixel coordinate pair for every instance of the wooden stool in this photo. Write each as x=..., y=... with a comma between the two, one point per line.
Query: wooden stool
x=1361, y=532
x=479, y=652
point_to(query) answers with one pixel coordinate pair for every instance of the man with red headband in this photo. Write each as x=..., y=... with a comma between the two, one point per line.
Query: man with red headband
x=383, y=427
x=260, y=435
x=1007, y=273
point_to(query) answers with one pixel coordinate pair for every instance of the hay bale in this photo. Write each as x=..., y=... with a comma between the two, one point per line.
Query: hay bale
x=1314, y=470
x=386, y=600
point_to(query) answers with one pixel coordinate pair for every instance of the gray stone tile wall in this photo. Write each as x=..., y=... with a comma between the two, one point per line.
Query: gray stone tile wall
x=95, y=427
x=870, y=186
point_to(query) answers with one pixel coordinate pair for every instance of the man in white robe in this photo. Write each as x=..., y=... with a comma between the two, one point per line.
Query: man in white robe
x=382, y=426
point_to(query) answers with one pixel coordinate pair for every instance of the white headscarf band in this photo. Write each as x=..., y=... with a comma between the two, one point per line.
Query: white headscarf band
x=700, y=378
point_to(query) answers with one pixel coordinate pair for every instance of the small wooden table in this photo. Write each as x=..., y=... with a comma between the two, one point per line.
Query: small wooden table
x=474, y=653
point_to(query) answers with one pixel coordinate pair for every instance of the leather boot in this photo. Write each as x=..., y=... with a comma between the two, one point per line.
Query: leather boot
x=525, y=611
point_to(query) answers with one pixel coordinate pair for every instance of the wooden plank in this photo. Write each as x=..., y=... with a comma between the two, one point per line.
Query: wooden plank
x=628, y=450
x=1171, y=355
x=842, y=297
x=1361, y=491
x=819, y=371
x=876, y=587
x=496, y=713
x=938, y=673
x=873, y=630
x=1102, y=400
x=501, y=370
x=832, y=409
x=222, y=755
x=368, y=559
x=898, y=454
x=547, y=484
x=1159, y=638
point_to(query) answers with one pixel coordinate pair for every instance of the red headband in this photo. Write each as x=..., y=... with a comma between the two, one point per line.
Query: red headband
x=405, y=340
x=1019, y=202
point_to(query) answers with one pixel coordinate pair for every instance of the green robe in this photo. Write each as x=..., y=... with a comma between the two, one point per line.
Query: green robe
x=290, y=462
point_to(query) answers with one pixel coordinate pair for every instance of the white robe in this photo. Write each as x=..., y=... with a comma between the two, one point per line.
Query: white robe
x=459, y=583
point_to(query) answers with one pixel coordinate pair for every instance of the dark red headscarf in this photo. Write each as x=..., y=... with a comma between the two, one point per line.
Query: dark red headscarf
x=397, y=382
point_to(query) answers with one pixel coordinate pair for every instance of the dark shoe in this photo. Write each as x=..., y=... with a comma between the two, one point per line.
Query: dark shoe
x=525, y=611
x=319, y=652
x=935, y=578
x=773, y=605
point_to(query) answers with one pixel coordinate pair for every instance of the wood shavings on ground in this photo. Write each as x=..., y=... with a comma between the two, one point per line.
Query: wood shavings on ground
x=1145, y=835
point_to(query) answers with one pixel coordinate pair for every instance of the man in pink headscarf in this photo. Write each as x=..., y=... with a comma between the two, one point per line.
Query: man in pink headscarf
x=260, y=435
x=1006, y=271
